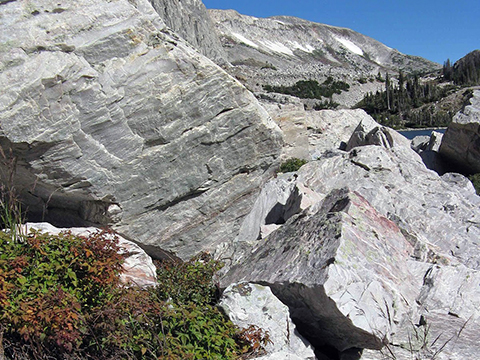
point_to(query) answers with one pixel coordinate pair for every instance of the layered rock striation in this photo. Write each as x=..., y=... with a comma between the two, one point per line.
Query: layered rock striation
x=190, y=20
x=114, y=119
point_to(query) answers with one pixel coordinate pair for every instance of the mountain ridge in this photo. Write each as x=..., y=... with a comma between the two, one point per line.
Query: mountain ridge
x=281, y=50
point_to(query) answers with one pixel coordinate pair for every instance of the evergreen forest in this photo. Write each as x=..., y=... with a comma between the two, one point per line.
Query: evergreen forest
x=409, y=102
x=311, y=89
x=466, y=71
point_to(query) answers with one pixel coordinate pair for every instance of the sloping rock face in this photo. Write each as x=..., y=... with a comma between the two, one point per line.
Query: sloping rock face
x=384, y=256
x=138, y=268
x=190, y=20
x=461, y=142
x=115, y=120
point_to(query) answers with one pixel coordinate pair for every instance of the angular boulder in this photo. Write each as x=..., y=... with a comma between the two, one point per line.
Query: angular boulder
x=113, y=119
x=369, y=132
x=252, y=304
x=461, y=142
x=329, y=268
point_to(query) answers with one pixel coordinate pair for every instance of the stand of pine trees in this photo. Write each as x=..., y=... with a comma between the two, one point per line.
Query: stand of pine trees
x=466, y=71
x=405, y=104
x=311, y=89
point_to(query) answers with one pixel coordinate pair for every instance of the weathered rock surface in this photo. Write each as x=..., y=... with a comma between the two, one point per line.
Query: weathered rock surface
x=321, y=264
x=388, y=259
x=190, y=20
x=116, y=120
x=461, y=142
x=252, y=304
x=138, y=268
x=308, y=133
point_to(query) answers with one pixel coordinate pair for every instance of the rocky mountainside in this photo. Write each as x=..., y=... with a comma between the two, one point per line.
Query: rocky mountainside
x=282, y=50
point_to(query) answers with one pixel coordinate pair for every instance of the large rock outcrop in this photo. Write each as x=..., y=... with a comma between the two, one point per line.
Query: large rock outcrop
x=113, y=119
x=190, y=20
x=378, y=253
x=461, y=142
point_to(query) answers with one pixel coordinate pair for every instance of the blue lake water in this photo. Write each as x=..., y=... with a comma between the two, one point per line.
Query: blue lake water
x=410, y=134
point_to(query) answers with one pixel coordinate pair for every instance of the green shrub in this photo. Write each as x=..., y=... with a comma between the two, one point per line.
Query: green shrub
x=61, y=297
x=48, y=283
x=292, y=164
x=326, y=105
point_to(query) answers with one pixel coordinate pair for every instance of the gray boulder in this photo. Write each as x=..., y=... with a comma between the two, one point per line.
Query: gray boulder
x=252, y=304
x=427, y=147
x=461, y=144
x=435, y=141
x=369, y=132
x=329, y=269
x=420, y=143
x=115, y=120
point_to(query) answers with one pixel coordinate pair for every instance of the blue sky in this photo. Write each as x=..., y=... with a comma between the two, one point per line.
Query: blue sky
x=433, y=29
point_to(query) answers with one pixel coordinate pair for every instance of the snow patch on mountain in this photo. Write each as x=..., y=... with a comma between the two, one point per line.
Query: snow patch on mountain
x=305, y=48
x=244, y=40
x=350, y=46
x=277, y=47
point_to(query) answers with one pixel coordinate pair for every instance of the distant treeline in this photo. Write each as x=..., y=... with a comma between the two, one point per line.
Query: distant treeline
x=405, y=104
x=465, y=71
x=311, y=89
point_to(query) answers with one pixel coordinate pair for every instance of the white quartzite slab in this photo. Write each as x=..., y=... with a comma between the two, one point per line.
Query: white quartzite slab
x=116, y=120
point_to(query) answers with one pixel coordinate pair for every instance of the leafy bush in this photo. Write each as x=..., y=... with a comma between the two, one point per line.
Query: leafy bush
x=48, y=283
x=61, y=297
x=292, y=164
